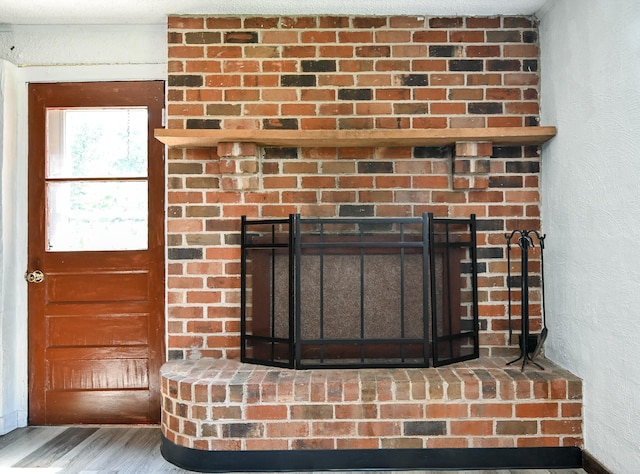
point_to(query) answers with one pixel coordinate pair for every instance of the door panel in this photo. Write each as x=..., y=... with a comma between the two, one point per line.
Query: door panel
x=104, y=286
x=98, y=330
x=96, y=406
x=96, y=231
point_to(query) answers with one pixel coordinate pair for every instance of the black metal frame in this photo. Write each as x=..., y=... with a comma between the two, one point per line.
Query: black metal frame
x=441, y=239
x=272, y=246
x=461, y=459
x=433, y=241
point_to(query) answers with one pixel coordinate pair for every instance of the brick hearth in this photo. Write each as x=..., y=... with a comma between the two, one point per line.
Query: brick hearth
x=222, y=405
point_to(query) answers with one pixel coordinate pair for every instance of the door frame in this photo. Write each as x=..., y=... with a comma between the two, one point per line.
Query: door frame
x=15, y=171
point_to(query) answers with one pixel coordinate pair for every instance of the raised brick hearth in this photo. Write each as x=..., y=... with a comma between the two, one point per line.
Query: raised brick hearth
x=215, y=404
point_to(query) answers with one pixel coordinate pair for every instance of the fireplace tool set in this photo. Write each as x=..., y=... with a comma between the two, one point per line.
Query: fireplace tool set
x=530, y=344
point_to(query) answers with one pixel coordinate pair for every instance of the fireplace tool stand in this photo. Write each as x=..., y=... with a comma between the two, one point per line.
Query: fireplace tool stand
x=525, y=240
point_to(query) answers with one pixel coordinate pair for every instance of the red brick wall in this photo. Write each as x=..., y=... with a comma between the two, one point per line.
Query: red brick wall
x=342, y=73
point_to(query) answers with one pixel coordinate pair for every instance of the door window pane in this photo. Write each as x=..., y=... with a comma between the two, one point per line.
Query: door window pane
x=96, y=143
x=96, y=215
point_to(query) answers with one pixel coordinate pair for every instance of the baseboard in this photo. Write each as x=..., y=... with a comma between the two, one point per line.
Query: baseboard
x=592, y=465
x=378, y=459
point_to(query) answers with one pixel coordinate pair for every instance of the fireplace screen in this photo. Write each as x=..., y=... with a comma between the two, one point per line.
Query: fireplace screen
x=359, y=292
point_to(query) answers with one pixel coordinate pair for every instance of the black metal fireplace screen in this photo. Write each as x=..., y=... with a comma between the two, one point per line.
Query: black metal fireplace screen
x=372, y=292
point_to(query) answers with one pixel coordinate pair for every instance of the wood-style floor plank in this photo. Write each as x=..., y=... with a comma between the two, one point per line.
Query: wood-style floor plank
x=47, y=454
x=119, y=450
x=19, y=443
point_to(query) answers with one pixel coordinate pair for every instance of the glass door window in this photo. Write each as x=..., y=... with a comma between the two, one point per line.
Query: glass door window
x=96, y=179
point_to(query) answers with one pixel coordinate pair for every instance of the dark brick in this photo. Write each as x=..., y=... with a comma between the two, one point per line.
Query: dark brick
x=175, y=355
x=483, y=165
x=205, y=182
x=503, y=36
x=356, y=210
x=466, y=65
x=182, y=409
x=481, y=267
x=411, y=109
x=273, y=153
x=485, y=108
x=185, y=168
x=185, y=80
x=203, y=123
x=375, y=167
x=203, y=211
x=243, y=430
x=445, y=22
x=507, y=152
x=413, y=80
x=184, y=254
x=241, y=37
x=174, y=211
x=518, y=22
x=433, y=152
x=532, y=121
x=425, y=428
x=489, y=224
x=505, y=181
x=503, y=65
x=530, y=36
x=369, y=22
x=291, y=80
x=530, y=65
x=356, y=123
x=174, y=240
x=262, y=22
x=203, y=37
x=523, y=167
x=232, y=239
x=280, y=124
x=174, y=182
x=355, y=94
x=490, y=252
x=325, y=65
x=442, y=51
x=174, y=37
x=515, y=281
x=218, y=225
x=209, y=429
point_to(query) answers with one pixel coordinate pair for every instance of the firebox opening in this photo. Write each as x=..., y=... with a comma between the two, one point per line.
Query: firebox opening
x=373, y=292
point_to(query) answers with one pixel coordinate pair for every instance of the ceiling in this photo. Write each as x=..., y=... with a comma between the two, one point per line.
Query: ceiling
x=33, y=12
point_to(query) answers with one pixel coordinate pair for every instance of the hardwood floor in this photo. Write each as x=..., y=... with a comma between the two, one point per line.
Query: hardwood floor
x=111, y=450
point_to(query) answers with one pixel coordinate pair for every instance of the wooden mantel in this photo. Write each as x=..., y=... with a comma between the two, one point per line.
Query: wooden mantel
x=356, y=138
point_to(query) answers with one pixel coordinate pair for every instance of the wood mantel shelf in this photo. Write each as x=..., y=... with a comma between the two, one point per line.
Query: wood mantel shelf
x=356, y=138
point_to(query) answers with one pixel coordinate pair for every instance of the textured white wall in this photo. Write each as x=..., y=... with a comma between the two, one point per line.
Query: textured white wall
x=37, y=45
x=13, y=365
x=591, y=213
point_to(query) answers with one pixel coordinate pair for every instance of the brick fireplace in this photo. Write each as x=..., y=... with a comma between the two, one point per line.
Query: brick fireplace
x=270, y=116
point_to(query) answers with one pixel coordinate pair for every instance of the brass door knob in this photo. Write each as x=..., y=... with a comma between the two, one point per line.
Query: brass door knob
x=35, y=276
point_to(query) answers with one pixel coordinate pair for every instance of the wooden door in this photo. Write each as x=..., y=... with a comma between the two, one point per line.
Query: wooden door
x=96, y=238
